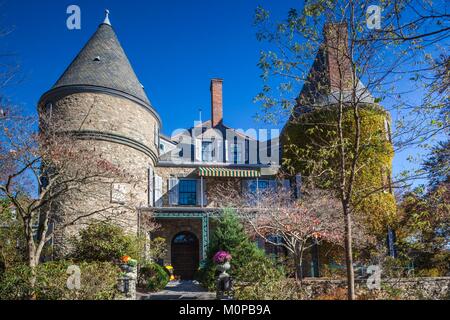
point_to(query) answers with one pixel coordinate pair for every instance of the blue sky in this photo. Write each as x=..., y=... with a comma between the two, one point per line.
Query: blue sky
x=175, y=47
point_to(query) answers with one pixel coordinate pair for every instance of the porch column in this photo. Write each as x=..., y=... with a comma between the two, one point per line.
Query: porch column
x=205, y=235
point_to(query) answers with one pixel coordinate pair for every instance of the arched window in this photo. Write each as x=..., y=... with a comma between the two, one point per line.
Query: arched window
x=185, y=238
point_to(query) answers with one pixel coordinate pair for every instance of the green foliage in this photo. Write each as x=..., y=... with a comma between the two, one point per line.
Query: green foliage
x=423, y=231
x=249, y=264
x=98, y=281
x=260, y=279
x=311, y=147
x=153, y=277
x=438, y=164
x=158, y=248
x=102, y=241
x=12, y=244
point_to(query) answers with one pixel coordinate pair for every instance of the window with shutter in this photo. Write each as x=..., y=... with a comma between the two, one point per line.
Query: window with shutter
x=201, y=191
x=227, y=156
x=158, y=191
x=173, y=191
x=198, y=150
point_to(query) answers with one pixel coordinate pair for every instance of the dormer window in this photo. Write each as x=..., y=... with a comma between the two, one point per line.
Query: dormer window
x=236, y=152
x=207, y=151
x=97, y=58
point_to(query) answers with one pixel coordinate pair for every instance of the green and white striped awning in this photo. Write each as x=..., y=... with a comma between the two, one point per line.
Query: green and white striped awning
x=226, y=172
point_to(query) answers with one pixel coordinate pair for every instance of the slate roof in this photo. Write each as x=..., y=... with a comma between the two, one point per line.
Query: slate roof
x=321, y=86
x=103, y=63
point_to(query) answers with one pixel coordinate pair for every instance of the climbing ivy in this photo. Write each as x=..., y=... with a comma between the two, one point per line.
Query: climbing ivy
x=311, y=148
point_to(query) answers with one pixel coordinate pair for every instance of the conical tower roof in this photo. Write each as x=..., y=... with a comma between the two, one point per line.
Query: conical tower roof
x=332, y=63
x=103, y=63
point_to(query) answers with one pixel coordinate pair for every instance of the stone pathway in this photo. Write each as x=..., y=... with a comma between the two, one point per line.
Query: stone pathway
x=179, y=290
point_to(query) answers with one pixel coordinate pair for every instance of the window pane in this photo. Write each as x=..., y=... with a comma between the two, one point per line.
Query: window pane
x=187, y=192
x=263, y=184
x=237, y=152
x=207, y=151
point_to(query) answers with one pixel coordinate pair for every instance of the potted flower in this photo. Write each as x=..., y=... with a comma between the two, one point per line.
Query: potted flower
x=125, y=259
x=169, y=269
x=128, y=263
x=222, y=260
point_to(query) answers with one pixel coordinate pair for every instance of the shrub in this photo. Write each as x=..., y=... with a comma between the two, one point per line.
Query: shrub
x=14, y=284
x=249, y=265
x=158, y=248
x=153, y=277
x=261, y=280
x=104, y=241
x=12, y=241
x=332, y=272
x=432, y=272
x=98, y=282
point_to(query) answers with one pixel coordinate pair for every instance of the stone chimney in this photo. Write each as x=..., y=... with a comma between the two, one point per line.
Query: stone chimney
x=338, y=60
x=216, y=102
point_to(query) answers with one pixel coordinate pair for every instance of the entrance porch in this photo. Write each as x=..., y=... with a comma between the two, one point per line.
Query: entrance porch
x=187, y=239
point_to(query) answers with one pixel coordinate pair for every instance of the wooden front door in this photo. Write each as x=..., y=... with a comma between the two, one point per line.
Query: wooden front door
x=185, y=255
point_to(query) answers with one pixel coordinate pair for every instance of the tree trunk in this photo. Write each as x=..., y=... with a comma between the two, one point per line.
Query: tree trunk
x=349, y=254
x=33, y=277
x=298, y=259
x=32, y=263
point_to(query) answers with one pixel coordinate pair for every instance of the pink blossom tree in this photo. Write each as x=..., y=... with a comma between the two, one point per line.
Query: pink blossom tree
x=301, y=223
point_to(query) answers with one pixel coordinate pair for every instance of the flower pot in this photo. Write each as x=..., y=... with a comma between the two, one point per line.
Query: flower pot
x=224, y=267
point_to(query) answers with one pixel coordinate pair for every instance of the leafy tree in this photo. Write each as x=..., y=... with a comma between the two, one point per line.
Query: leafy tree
x=104, y=241
x=424, y=229
x=12, y=244
x=437, y=165
x=158, y=248
x=229, y=235
x=339, y=136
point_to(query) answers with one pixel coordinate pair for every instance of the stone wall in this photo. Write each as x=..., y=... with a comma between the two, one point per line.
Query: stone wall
x=404, y=288
x=94, y=201
x=105, y=113
x=117, y=131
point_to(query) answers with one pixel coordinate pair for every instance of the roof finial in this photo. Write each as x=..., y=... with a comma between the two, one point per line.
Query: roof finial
x=107, y=18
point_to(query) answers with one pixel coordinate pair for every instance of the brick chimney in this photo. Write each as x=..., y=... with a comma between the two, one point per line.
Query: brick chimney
x=338, y=60
x=216, y=102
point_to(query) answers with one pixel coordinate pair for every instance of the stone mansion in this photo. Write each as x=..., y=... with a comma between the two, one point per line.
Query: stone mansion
x=100, y=100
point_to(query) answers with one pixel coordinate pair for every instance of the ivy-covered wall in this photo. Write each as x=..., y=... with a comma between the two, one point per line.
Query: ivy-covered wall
x=311, y=147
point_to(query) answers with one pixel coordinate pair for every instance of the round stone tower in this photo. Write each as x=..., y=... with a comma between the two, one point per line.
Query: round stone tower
x=100, y=102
